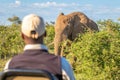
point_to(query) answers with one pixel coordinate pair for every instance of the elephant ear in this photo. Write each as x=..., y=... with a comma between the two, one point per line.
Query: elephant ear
x=69, y=28
x=69, y=20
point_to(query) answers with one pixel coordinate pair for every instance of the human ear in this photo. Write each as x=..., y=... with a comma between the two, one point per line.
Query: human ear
x=22, y=35
x=45, y=34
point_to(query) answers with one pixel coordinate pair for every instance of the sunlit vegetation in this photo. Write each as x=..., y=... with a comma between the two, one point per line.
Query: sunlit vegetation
x=93, y=55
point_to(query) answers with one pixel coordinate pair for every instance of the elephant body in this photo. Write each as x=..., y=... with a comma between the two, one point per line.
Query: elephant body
x=68, y=26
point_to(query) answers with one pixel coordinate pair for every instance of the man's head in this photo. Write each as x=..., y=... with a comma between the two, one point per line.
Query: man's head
x=33, y=28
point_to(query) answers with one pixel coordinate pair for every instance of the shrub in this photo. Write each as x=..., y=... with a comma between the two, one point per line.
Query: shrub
x=97, y=55
x=94, y=56
x=50, y=37
x=10, y=41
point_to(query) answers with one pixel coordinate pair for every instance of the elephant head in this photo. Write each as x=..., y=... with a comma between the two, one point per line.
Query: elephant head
x=68, y=26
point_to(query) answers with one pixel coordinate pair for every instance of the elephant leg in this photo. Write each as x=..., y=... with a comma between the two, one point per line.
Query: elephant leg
x=62, y=48
x=56, y=49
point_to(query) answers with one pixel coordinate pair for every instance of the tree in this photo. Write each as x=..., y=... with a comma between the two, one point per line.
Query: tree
x=15, y=20
x=118, y=19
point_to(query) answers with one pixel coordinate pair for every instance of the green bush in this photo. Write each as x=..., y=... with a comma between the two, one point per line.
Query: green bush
x=10, y=41
x=50, y=37
x=97, y=54
x=94, y=56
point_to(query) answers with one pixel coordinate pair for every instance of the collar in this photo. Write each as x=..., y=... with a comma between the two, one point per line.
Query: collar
x=35, y=46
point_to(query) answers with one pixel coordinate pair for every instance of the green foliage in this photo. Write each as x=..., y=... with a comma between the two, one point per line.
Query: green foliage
x=2, y=63
x=15, y=20
x=12, y=44
x=97, y=54
x=94, y=56
x=109, y=25
x=50, y=37
x=10, y=41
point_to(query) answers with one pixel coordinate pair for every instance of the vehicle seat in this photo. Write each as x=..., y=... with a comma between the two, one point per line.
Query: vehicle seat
x=22, y=74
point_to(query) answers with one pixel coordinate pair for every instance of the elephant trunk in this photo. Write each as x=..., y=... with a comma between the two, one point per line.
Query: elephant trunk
x=57, y=41
x=58, y=48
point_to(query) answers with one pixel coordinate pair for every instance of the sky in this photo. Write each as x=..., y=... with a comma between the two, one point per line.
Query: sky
x=50, y=9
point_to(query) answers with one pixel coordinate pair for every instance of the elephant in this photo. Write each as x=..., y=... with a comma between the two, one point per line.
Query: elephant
x=68, y=27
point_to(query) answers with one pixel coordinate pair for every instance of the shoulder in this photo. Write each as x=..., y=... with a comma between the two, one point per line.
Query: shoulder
x=67, y=71
x=65, y=64
x=63, y=60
